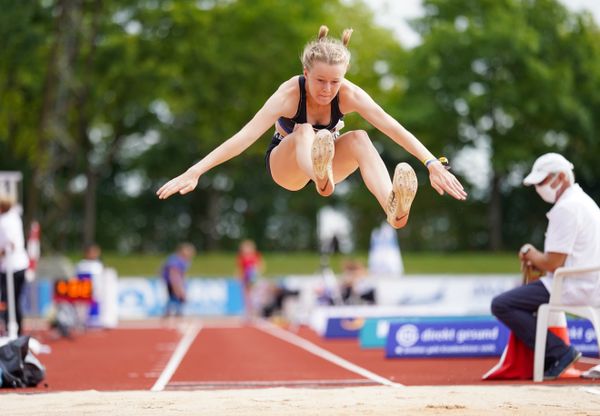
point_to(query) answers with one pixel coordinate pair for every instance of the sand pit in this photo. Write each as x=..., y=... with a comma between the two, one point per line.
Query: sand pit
x=459, y=400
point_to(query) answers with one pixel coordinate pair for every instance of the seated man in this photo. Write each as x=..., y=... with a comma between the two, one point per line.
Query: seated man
x=572, y=240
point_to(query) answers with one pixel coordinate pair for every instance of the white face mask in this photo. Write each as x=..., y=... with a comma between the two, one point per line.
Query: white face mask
x=547, y=192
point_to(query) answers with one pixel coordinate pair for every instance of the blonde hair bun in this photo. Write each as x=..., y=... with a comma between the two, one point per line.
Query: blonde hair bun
x=327, y=50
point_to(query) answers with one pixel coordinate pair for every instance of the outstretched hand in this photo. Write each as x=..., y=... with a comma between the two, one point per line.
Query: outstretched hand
x=444, y=181
x=184, y=183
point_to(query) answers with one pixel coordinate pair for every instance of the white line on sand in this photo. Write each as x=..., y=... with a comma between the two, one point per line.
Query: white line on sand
x=323, y=353
x=184, y=344
x=590, y=390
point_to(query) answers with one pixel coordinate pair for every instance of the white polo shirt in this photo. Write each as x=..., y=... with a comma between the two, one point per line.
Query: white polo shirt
x=574, y=230
x=11, y=235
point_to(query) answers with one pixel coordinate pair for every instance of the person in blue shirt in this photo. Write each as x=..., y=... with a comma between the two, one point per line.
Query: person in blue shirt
x=173, y=274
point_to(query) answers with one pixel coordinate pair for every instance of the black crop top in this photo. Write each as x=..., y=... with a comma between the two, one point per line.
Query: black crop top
x=288, y=124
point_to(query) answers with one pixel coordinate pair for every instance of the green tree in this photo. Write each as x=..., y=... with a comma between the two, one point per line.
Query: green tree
x=222, y=80
x=23, y=55
x=108, y=99
x=498, y=77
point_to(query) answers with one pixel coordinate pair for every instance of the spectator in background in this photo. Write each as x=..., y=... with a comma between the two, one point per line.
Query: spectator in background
x=91, y=267
x=384, y=252
x=13, y=256
x=274, y=296
x=572, y=240
x=355, y=285
x=173, y=273
x=250, y=267
x=91, y=262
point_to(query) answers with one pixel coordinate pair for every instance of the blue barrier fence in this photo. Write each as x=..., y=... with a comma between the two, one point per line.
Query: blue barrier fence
x=146, y=297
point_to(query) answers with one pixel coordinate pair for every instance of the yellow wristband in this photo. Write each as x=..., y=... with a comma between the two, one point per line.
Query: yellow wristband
x=442, y=159
x=426, y=162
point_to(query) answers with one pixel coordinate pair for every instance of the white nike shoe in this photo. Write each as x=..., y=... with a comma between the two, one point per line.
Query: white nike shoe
x=323, y=150
x=404, y=189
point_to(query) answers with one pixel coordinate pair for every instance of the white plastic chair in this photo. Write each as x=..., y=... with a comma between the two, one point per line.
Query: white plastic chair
x=585, y=311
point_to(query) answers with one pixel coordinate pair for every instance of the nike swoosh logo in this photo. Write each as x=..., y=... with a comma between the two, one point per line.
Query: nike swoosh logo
x=404, y=216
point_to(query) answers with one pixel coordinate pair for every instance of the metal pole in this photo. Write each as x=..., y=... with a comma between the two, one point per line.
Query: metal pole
x=12, y=325
x=328, y=275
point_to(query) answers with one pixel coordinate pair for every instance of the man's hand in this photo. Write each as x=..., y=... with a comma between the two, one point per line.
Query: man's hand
x=524, y=251
x=530, y=272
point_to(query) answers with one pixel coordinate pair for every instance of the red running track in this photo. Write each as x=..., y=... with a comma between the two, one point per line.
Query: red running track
x=117, y=359
x=249, y=357
x=190, y=355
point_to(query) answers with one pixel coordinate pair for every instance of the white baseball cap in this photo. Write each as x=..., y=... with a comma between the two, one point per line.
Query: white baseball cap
x=545, y=165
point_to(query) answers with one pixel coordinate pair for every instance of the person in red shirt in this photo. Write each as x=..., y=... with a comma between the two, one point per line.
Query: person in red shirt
x=250, y=266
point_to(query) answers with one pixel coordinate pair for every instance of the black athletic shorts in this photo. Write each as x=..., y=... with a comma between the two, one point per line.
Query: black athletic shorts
x=277, y=138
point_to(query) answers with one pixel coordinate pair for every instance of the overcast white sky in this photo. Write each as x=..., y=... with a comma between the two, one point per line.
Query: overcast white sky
x=393, y=14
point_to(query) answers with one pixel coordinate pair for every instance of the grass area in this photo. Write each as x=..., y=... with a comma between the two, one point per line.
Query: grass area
x=278, y=264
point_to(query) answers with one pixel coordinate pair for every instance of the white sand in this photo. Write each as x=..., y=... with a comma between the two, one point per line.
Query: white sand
x=447, y=400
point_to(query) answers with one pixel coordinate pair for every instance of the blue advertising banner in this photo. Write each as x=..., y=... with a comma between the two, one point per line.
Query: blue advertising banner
x=464, y=338
x=37, y=298
x=139, y=298
x=374, y=332
x=144, y=297
x=376, y=329
x=432, y=337
x=343, y=327
x=583, y=337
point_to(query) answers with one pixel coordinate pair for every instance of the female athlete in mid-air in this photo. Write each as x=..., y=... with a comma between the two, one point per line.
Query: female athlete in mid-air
x=307, y=112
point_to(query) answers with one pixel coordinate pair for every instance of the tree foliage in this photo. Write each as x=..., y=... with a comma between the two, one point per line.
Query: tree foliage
x=112, y=98
x=502, y=80
x=104, y=100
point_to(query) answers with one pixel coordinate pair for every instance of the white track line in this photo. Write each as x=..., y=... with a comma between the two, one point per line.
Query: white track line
x=184, y=344
x=177, y=385
x=589, y=360
x=323, y=353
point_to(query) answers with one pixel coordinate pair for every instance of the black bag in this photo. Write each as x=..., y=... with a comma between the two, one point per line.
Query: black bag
x=18, y=367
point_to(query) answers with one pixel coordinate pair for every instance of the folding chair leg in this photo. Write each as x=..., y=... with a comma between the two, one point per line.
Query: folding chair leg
x=595, y=318
x=541, y=334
